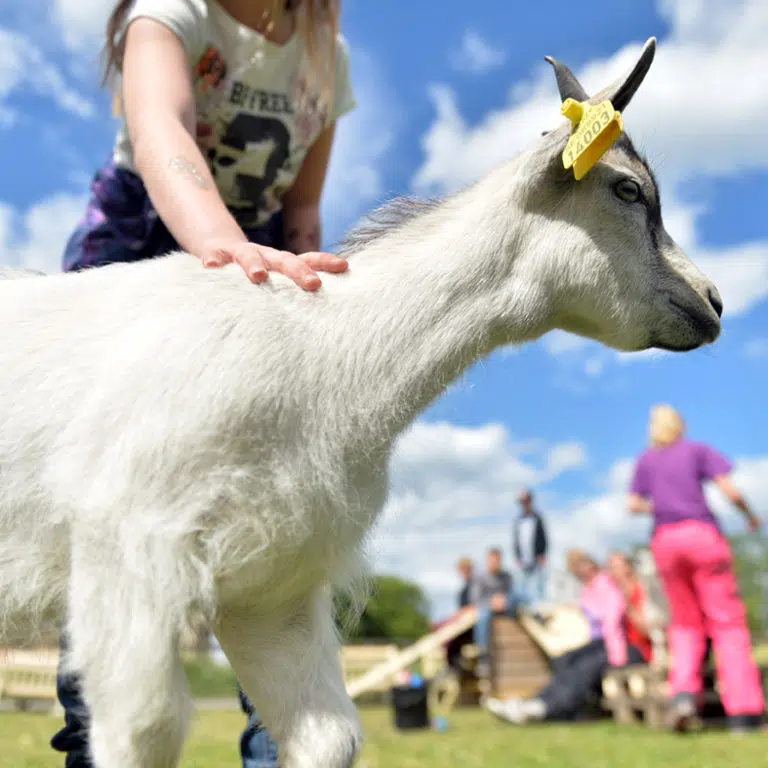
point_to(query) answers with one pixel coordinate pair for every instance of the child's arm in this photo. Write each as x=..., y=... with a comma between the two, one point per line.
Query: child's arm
x=160, y=111
x=301, y=203
x=614, y=634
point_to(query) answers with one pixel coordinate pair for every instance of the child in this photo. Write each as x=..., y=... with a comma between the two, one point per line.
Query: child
x=228, y=110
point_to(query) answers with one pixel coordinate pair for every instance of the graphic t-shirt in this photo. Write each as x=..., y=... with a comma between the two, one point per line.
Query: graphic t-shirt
x=259, y=109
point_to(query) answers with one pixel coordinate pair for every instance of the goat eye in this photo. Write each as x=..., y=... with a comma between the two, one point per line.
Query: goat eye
x=628, y=191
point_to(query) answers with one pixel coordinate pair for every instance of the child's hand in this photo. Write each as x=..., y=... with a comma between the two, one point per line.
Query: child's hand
x=258, y=260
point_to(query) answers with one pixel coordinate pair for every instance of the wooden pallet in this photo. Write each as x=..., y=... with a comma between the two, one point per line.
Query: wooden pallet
x=519, y=668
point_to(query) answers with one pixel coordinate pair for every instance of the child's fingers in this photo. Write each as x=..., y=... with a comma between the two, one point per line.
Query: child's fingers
x=325, y=262
x=290, y=265
x=251, y=259
x=217, y=257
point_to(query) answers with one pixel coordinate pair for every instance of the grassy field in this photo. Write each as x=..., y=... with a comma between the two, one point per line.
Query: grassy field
x=474, y=740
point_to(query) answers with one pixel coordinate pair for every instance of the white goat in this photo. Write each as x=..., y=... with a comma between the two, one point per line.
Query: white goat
x=177, y=441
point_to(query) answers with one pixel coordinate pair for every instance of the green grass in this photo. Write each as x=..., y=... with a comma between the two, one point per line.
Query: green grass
x=208, y=680
x=474, y=740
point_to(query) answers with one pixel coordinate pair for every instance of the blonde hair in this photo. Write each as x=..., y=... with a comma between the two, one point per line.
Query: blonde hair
x=576, y=557
x=665, y=426
x=624, y=557
x=317, y=23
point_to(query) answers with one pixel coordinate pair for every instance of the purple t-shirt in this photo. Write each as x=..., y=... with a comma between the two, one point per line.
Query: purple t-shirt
x=673, y=479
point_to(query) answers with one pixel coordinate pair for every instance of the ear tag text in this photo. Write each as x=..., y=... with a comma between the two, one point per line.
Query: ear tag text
x=594, y=130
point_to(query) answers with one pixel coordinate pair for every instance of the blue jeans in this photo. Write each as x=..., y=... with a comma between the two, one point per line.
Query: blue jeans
x=257, y=749
x=533, y=583
x=485, y=618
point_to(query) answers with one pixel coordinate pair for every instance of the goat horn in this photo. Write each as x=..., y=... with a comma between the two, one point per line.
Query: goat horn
x=631, y=83
x=620, y=93
x=567, y=84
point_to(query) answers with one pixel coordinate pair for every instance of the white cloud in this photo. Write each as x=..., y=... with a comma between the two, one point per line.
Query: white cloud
x=740, y=273
x=477, y=56
x=38, y=239
x=82, y=23
x=562, y=343
x=454, y=493
x=23, y=66
x=756, y=349
x=594, y=366
x=698, y=112
x=363, y=139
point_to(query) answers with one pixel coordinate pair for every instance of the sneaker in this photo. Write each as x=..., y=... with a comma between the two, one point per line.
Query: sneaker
x=740, y=725
x=510, y=711
x=683, y=715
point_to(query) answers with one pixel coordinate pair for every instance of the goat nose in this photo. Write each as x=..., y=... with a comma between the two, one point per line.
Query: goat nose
x=715, y=301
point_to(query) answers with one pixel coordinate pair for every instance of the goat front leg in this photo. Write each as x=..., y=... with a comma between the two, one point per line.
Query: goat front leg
x=124, y=645
x=290, y=667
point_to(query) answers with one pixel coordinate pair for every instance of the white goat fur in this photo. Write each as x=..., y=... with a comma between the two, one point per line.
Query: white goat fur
x=177, y=441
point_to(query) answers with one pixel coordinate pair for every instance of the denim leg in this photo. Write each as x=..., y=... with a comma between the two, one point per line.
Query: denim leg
x=541, y=583
x=483, y=629
x=257, y=748
x=73, y=737
x=523, y=588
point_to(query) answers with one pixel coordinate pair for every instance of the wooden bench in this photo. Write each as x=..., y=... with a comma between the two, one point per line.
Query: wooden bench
x=638, y=693
x=29, y=675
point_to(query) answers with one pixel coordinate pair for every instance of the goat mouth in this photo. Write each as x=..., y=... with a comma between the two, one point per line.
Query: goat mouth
x=676, y=347
x=700, y=321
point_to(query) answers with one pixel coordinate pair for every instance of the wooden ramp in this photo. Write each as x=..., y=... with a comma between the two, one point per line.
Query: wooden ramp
x=519, y=667
x=403, y=659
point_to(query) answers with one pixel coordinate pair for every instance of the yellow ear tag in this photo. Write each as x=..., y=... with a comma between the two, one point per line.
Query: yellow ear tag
x=594, y=130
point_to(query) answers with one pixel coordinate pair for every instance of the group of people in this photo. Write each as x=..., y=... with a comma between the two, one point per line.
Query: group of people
x=695, y=565
x=494, y=591
x=613, y=601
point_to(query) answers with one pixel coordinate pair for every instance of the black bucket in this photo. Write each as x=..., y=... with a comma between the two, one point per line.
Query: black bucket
x=410, y=706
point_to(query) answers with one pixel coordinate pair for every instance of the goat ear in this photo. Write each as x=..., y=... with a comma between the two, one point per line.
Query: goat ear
x=622, y=91
x=567, y=84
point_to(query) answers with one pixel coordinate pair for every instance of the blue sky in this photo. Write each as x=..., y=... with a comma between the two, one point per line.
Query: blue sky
x=446, y=91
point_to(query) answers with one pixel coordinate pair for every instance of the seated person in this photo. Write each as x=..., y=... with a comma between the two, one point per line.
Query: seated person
x=453, y=647
x=638, y=630
x=492, y=594
x=579, y=672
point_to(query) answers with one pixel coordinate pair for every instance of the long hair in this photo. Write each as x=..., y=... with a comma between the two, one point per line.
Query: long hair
x=665, y=426
x=317, y=22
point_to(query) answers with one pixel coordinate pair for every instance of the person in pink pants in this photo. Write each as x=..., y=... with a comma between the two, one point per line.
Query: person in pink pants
x=695, y=564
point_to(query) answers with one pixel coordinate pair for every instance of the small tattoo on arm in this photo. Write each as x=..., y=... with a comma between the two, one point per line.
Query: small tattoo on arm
x=182, y=165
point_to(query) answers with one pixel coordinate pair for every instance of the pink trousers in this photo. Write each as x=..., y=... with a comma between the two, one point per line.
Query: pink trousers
x=695, y=565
